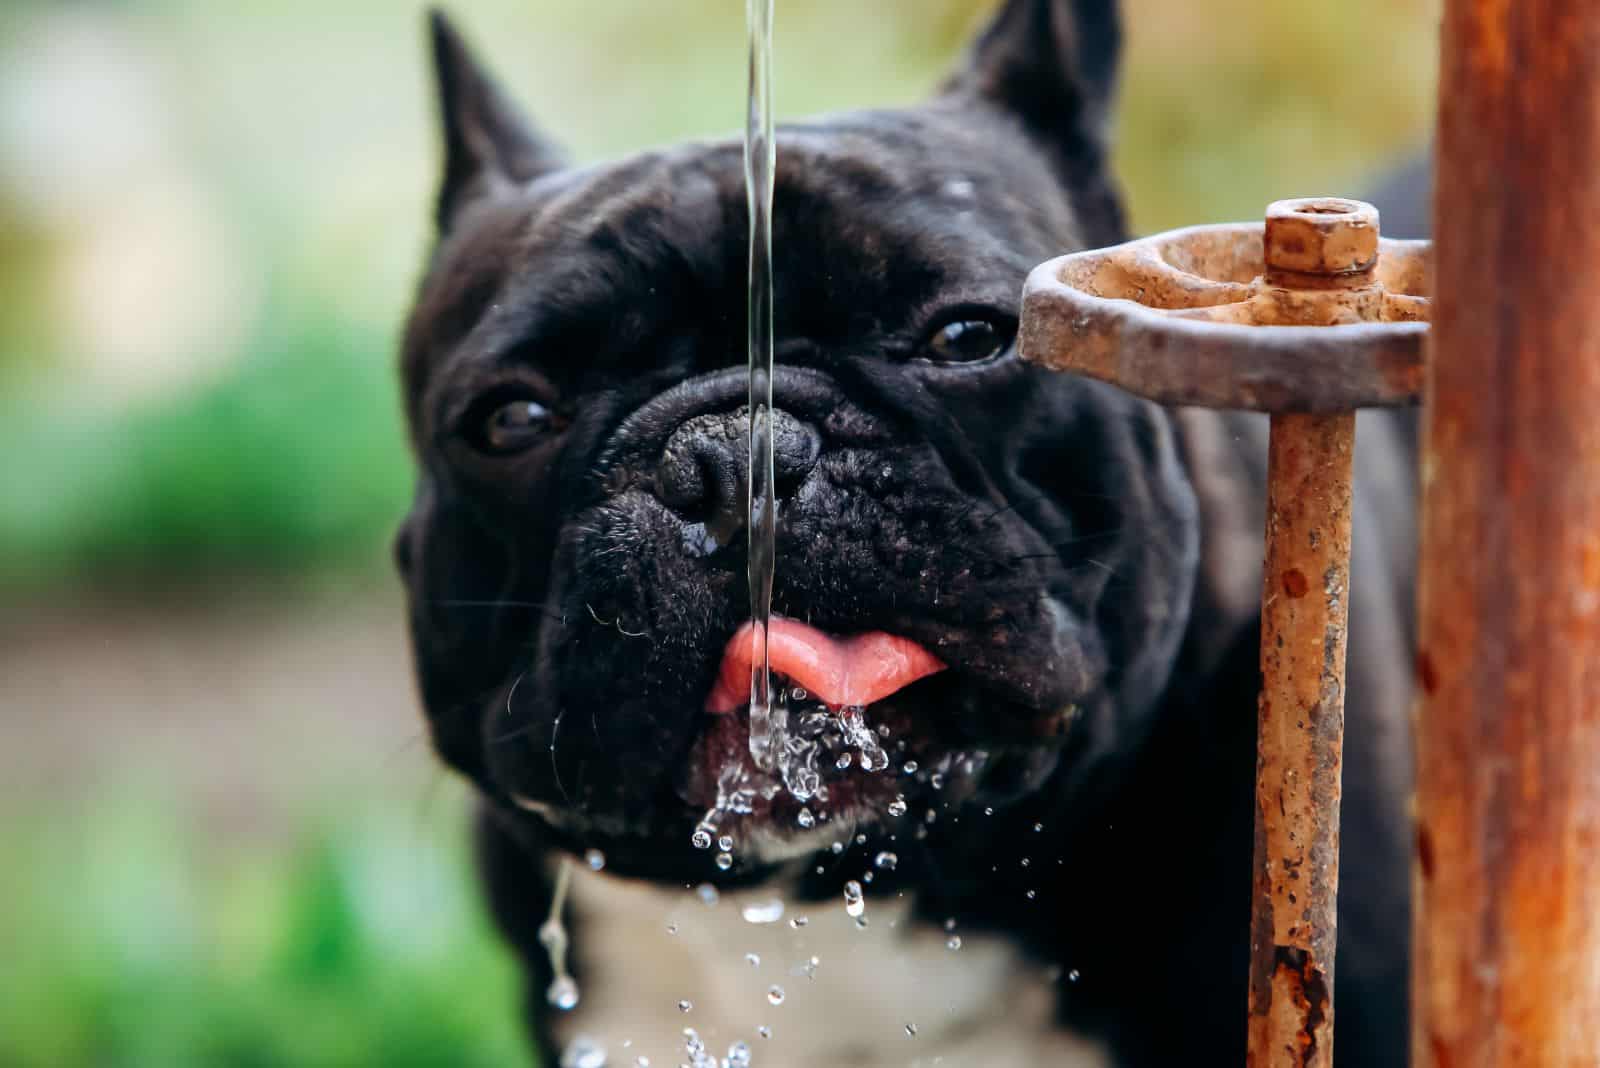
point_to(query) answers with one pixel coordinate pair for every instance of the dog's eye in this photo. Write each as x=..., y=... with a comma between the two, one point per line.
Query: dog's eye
x=515, y=425
x=967, y=341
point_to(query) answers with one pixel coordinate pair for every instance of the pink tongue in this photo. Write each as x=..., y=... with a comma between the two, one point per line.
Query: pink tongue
x=838, y=671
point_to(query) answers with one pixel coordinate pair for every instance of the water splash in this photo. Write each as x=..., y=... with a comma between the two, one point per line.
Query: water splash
x=853, y=723
x=700, y=1057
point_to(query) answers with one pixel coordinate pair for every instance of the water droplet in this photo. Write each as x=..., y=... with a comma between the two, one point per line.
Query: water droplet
x=910, y=767
x=936, y=780
x=866, y=877
x=770, y=911
x=988, y=811
x=861, y=839
x=799, y=922
x=911, y=1029
x=1037, y=827
x=764, y=1031
x=725, y=843
x=861, y=923
x=844, y=761
x=641, y=1062
x=753, y=959
x=583, y=1052
x=953, y=942
x=836, y=848
x=724, y=861
x=950, y=923
x=1032, y=894
x=805, y=819
x=685, y=1005
x=707, y=893
x=563, y=993
x=799, y=693
x=595, y=859
x=853, y=903
x=897, y=807
x=1026, y=862
x=701, y=838
x=693, y=1044
x=887, y=861
x=672, y=928
x=775, y=995
x=1074, y=975
x=738, y=1056
x=929, y=816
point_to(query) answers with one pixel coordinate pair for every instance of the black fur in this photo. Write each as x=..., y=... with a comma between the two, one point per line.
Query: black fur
x=1086, y=563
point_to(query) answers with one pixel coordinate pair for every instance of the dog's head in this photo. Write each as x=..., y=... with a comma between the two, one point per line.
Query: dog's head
x=996, y=561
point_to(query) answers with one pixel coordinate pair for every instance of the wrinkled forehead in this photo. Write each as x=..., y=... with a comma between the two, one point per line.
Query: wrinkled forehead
x=900, y=177
x=873, y=214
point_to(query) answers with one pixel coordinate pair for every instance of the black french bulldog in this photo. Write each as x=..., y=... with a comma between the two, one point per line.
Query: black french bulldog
x=1042, y=589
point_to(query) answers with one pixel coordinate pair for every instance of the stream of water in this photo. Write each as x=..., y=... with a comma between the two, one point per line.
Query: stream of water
x=768, y=729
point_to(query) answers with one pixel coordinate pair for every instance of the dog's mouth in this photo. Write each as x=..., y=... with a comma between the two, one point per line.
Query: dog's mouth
x=848, y=739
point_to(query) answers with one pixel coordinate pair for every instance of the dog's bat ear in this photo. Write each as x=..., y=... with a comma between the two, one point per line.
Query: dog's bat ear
x=1053, y=64
x=488, y=144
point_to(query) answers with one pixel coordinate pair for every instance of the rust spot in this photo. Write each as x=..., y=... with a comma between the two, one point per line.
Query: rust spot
x=1295, y=583
x=1426, y=672
x=1425, y=851
x=1309, y=984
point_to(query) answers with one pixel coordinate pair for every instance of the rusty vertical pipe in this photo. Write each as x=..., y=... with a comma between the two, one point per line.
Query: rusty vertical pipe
x=1309, y=246
x=1507, y=931
x=1300, y=736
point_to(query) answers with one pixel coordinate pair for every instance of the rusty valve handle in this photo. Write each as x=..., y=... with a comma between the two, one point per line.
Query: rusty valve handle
x=1308, y=317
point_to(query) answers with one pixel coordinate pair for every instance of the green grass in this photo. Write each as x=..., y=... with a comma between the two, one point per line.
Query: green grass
x=132, y=941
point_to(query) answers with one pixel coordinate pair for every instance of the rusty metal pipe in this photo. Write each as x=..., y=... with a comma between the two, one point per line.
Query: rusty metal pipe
x=1300, y=739
x=1507, y=934
x=1309, y=248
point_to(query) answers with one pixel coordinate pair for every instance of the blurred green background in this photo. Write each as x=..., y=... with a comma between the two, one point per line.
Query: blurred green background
x=222, y=838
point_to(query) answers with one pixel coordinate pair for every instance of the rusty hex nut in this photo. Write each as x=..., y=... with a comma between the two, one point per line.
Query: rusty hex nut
x=1326, y=236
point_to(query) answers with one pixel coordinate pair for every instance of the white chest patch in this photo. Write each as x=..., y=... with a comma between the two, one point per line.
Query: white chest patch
x=827, y=992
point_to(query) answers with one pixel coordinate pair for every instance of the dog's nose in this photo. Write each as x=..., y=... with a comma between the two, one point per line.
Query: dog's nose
x=704, y=473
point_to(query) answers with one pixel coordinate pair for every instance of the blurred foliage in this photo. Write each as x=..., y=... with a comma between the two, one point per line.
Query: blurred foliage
x=294, y=458
x=291, y=145
x=211, y=218
x=129, y=944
